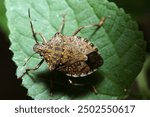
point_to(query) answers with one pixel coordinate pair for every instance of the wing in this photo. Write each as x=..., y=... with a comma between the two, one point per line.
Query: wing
x=77, y=57
x=82, y=68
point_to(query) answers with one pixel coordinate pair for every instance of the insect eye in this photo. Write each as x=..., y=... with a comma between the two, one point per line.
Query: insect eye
x=37, y=47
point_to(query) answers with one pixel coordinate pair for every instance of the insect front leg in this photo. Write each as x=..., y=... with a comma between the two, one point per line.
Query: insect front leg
x=32, y=69
x=79, y=84
x=88, y=26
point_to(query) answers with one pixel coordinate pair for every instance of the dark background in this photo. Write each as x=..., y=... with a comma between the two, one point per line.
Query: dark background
x=10, y=87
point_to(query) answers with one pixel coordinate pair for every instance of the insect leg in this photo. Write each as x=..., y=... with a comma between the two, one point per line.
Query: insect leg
x=79, y=84
x=88, y=26
x=62, y=24
x=94, y=90
x=29, y=59
x=32, y=69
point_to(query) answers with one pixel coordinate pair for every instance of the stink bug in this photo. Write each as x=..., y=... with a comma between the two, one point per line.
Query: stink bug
x=72, y=55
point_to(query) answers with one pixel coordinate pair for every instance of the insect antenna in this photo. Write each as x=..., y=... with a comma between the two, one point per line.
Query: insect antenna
x=29, y=58
x=33, y=32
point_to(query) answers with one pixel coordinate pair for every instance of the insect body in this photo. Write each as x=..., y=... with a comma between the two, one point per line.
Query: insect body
x=72, y=55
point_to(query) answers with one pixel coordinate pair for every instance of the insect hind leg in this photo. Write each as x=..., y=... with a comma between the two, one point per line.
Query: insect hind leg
x=81, y=85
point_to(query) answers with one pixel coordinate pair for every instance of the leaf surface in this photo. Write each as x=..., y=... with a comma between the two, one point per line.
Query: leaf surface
x=119, y=41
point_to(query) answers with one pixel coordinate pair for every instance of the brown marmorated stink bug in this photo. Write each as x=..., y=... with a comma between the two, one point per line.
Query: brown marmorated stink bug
x=72, y=55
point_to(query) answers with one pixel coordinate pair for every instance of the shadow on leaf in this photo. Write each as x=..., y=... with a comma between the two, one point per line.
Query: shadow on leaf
x=58, y=84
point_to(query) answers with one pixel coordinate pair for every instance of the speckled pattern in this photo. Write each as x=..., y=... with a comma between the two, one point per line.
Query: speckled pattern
x=73, y=55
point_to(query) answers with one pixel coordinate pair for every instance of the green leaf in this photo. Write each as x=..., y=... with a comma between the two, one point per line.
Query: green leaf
x=3, y=21
x=119, y=41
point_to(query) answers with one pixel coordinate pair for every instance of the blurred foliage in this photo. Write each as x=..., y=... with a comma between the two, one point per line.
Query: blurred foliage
x=3, y=20
x=142, y=79
x=137, y=8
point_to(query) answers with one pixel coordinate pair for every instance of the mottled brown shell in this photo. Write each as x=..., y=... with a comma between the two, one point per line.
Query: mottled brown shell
x=73, y=55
